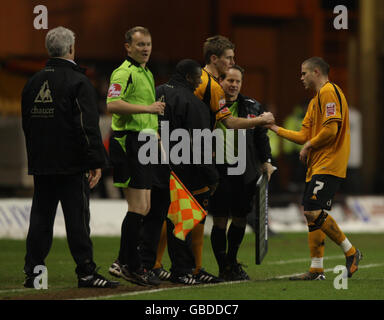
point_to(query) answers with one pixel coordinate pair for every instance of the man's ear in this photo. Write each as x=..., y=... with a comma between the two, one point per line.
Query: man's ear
x=189, y=78
x=70, y=49
x=127, y=46
x=214, y=58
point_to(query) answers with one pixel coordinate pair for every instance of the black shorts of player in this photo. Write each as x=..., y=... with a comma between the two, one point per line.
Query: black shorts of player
x=320, y=191
x=124, y=149
x=232, y=197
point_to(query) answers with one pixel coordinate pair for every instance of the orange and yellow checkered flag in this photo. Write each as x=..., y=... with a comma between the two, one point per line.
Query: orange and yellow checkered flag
x=184, y=212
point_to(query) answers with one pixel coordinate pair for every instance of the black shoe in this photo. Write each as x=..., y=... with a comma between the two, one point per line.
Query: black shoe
x=115, y=269
x=238, y=271
x=309, y=276
x=96, y=280
x=234, y=272
x=161, y=273
x=186, y=278
x=29, y=281
x=140, y=276
x=352, y=262
x=205, y=277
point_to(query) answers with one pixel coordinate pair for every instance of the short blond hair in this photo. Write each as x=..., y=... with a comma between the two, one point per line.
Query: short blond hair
x=132, y=31
x=216, y=46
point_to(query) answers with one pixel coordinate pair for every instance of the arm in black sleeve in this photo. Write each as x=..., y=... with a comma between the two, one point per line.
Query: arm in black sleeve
x=260, y=136
x=87, y=125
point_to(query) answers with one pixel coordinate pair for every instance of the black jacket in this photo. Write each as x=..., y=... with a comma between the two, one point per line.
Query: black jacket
x=184, y=110
x=60, y=120
x=258, y=147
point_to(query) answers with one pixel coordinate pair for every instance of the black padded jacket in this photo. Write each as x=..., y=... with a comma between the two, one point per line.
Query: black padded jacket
x=60, y=120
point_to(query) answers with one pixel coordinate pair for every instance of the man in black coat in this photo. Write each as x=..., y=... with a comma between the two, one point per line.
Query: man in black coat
x=234, y=195
x=65, y=153
x=183, y=111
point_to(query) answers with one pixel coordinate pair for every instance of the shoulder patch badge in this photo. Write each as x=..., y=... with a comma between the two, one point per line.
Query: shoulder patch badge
x=221, y=103
x=114, y=90
x=330, y=109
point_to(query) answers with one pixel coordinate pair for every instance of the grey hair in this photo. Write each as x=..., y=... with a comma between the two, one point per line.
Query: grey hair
x=58, y=41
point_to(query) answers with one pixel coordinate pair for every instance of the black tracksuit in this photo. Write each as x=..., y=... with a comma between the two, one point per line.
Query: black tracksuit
x=258, y=147
x=258, y=151
x=60, y=121
x=183, y=110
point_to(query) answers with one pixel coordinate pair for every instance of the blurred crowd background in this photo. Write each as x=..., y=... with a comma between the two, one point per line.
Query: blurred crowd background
x=272, y=38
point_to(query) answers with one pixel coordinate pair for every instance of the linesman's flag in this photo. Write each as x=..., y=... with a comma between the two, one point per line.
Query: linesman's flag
x=184, y=212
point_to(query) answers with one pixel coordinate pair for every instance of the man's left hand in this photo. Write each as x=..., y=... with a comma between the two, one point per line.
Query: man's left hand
x=268, y=168
x=94, y=177
x=304, y=151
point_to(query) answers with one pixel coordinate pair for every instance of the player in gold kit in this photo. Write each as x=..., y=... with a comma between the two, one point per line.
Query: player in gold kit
x=326, y=139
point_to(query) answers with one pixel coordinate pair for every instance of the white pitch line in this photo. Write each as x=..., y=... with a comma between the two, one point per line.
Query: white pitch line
x=203, y=285
x=303, y=260
x=13, y=290
x=208, y=285
x=373, y=265
x=135, y=293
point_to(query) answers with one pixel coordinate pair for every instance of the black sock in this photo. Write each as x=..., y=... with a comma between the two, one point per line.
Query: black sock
x=219, y=246
x=129, y=242
x=235, y=237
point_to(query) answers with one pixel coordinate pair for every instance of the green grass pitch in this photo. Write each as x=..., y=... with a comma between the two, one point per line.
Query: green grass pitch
x=288, y=254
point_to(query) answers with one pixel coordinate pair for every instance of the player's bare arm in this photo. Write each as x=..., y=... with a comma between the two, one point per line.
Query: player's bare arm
x=123, y=107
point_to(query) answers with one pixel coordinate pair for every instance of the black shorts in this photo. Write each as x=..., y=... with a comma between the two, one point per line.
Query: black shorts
x=127, y=170
x=232, y=197
x=320, y=191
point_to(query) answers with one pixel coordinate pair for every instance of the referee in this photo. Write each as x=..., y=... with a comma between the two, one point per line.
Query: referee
x=131, y=100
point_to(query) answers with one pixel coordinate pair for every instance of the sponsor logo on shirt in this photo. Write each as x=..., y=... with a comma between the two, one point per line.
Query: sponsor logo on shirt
x=222, y=103
x=224, y=110
x=250, y=116
x=114, y=90
x=331, y=109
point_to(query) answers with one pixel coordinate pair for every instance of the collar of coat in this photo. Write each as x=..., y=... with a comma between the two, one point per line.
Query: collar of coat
x=59, y=62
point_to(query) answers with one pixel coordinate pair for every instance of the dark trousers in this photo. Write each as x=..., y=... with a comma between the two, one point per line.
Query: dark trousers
x=73, y=193
x=180, y=252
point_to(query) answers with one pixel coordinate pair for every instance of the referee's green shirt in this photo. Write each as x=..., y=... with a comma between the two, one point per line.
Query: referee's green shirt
x=134, y=84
